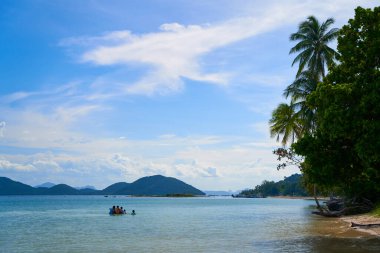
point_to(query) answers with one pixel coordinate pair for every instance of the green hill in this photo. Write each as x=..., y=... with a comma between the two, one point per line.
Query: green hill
x=147, y=186
x=289, y=186
x=10, y=187
x=113, y=189
x=154, y=185
x=61, y=189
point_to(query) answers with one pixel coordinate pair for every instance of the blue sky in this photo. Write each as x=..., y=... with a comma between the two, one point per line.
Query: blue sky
x=97, y=92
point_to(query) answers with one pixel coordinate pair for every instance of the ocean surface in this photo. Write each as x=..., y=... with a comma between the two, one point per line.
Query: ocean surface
x=82, y=224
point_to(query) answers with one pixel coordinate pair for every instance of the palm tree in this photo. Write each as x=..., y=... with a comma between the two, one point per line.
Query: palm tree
x=296, y=119
x=298, y=91
x=286, y=123
x=312, y=46
x=289, y=123
x=314, y=56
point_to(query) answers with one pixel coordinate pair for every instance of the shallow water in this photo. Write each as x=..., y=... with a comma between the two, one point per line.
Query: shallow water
x=82, y=224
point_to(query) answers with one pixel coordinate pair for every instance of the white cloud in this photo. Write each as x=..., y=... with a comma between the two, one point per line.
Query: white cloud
x=16, y=96
x=175, y=51
x=69, y=114
x=173, y=54
x=47, y=165
x=108, y=37
x=195, y=160
x=7, y=165
x=64, y=91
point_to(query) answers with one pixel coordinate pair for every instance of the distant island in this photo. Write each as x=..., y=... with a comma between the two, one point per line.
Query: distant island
x=147, y=186
x=290, y=186
x=220, y=193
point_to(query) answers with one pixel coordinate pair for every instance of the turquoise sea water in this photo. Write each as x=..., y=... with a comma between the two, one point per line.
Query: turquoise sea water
x=82, y=224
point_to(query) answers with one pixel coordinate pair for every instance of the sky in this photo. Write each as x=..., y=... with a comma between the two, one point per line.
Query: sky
x=96, y=92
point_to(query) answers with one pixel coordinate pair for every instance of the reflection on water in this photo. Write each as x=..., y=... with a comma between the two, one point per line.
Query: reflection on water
x=320, y=244
x=350, y=245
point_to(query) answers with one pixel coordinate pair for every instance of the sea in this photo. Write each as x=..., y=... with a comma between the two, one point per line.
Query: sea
x=199, y=224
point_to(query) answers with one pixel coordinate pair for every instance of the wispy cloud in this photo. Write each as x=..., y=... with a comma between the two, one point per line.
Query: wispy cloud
x=7, y=165
x=175, y=51
x=189, y=158
x=69, y=114
x=16, y=97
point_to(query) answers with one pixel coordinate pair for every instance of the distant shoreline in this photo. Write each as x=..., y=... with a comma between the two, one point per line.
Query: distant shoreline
x=298, y=197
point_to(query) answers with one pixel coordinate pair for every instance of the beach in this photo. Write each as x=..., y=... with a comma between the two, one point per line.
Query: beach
x=363, y=219
x=341, y=227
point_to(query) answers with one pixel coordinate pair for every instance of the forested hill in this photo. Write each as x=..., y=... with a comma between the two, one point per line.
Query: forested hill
x=153, y=185
x=147, y=186
x=290, y=186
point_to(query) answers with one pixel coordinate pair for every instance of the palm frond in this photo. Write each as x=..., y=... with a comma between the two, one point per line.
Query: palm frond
x=312, y=48
x=325, y=25
x=330, y=35
x=302, y=45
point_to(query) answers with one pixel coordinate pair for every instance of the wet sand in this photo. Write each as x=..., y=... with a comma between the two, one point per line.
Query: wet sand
x=341, y=227
x=363, y=219
x=335, y=228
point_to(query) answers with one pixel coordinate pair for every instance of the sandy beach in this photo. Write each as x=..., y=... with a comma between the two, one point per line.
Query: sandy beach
x=341, y=227
x=363, y=219
x=299, y=197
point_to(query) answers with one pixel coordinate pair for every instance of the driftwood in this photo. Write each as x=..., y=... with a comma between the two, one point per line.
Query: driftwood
x=340, y=207
x=370, y=225
x=327, y=213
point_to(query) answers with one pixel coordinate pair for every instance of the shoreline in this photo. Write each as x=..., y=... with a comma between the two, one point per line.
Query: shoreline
x=363, y=219
x=299, y=197
x=340, y=227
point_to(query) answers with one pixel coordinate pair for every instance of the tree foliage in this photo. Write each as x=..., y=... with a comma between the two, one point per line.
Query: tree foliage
x=290, y=186
x=314, y=53
x=344, y=150
x=286, y=123
x=291, y=121
x=287, y=157
x=298, y=91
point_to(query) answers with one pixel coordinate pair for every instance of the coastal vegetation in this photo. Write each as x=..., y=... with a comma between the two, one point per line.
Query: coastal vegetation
x=332, y=123
x=376, y=210
x=289, y=186
x=179, y=195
